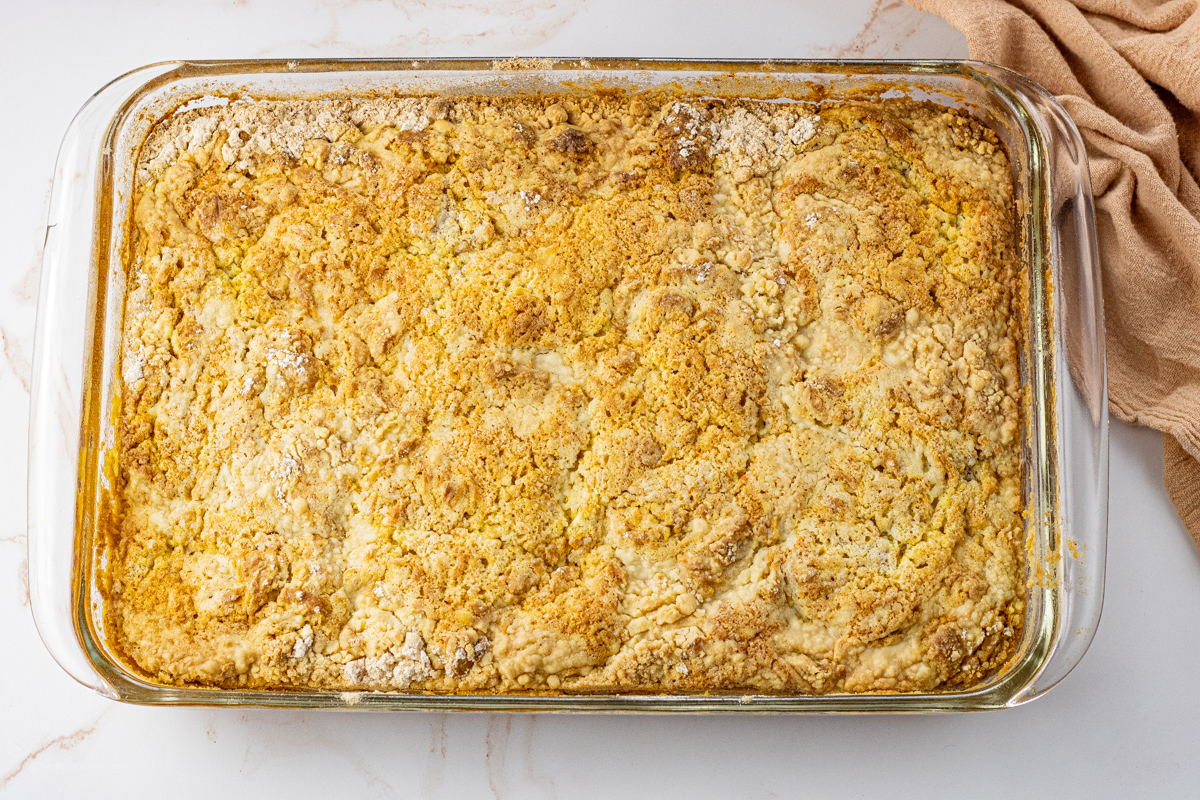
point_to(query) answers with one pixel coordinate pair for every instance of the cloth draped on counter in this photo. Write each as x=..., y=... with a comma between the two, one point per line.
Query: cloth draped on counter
x=1128, y=72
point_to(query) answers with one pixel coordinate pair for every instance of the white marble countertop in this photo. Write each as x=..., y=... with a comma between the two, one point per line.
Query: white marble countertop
x=1125, y=723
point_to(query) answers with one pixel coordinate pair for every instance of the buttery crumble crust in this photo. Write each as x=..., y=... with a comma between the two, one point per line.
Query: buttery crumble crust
x=581, y=394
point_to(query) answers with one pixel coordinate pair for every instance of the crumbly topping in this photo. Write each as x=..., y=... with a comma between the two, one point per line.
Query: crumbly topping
x=520, y=63
x=260, y=129
x=753, y=140
x=630, y=393
x=758, y=143
x=397, y=668
x=304, y=642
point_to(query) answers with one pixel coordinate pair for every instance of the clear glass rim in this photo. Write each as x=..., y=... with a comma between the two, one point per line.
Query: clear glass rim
x=1004, y=689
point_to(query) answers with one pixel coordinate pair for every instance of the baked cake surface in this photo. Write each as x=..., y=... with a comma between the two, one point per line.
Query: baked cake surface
x=627, y=392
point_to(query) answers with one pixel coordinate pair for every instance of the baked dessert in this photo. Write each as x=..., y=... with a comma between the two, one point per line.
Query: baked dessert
x=570, y=394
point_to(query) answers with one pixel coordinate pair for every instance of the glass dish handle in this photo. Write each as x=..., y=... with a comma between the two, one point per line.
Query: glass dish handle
x=1080, y=427
x=62, y=344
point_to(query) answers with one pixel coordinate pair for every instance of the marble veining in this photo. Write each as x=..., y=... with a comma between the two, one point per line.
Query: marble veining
x=428, y=28
x=890, y=23
x=62, y=743
x=16, y=360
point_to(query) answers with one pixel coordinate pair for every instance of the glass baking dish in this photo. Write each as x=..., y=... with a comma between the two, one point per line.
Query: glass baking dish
x=75, y=388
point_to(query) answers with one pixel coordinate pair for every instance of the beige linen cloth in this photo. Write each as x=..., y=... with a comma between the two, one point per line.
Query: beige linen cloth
x=1128, y=72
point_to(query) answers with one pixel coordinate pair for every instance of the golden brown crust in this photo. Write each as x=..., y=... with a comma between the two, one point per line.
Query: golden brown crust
x=621, y=393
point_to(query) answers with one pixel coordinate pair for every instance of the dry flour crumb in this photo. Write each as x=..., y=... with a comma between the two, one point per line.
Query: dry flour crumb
x=287, y=469
x=397, y=668
x=259, y=129
x=804, y=129
x=690, y=123
x=755, y=144
x=304, y=642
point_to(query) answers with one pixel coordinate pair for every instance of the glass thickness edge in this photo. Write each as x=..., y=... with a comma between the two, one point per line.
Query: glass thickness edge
x=1000, y=693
